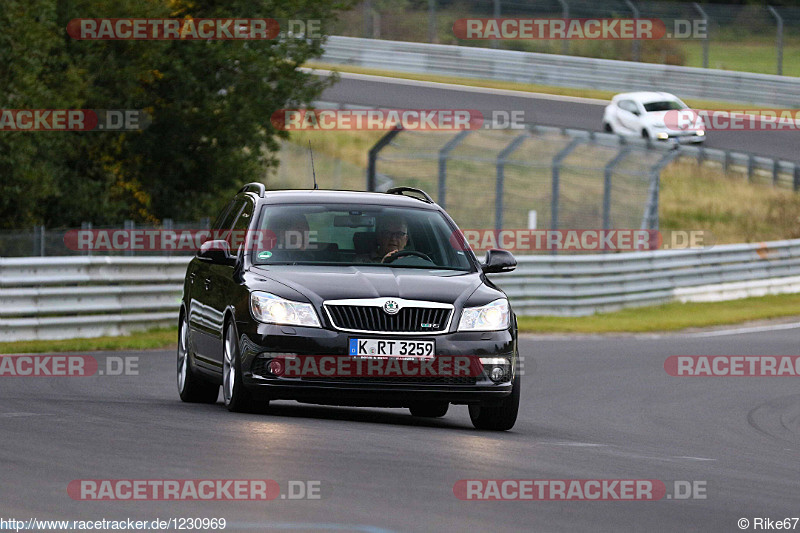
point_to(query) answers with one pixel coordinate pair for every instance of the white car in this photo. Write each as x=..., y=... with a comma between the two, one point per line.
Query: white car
x=653, y=115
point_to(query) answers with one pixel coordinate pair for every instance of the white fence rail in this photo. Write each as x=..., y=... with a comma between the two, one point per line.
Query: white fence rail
x=564, y=71
x=68, y=297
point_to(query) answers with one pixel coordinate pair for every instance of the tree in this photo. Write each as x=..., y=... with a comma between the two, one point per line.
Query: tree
x=210, y=104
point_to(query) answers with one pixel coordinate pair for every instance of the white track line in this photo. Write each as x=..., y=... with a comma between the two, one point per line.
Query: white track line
x=741, y=331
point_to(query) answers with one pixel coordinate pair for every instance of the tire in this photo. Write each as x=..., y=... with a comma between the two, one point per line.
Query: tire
x=191, y=387
x=497, y=416
x=607, y=128
x=645, y=135
x=234, y=394
x=430, y=409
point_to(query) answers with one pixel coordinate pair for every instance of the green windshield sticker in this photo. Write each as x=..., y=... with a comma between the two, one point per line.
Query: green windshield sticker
x=264, y=255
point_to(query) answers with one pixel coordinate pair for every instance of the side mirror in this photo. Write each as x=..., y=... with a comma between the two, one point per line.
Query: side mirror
x=498, y=261
x=217, y=251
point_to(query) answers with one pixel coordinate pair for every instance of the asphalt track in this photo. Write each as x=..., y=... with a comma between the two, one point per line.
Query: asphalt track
x=592, y=408
x=547, y=110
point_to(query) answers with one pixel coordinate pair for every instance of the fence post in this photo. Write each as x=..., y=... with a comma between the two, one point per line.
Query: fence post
x=129, y=225
x=443, y=154
x=796, y=177
x=556, y=187
x=499, y=182
x=87, y=226
x=705, y=40
x=167, y=224
x=565, y=15
x=372, y=184
x=636, y=43
x=779, y=38
x=432, y=21
x=650, y=217
x=609, y=169
x=496, y=8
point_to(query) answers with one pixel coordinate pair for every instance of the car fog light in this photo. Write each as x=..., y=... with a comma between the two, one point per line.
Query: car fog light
x=275, y=367
x=497, y=374
x=662, y=135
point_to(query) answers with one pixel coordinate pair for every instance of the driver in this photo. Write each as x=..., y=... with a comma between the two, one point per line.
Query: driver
x=392, y=237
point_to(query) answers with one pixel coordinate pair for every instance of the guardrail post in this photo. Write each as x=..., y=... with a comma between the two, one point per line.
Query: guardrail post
x=705, y=40
x=637, y=44
x=372, y=156
x=750, y=166
x=556, y=186
x=443, y=155
x=779, y=38
x=727, y=161
x=499, y=182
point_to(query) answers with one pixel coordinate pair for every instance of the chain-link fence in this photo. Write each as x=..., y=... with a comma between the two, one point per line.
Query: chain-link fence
x=751, y=38
x=538, y=178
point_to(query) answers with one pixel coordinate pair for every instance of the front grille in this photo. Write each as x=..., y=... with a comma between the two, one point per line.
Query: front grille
x=398, y=380
x=371, y=318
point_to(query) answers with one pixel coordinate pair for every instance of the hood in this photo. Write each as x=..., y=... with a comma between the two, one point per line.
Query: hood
x=320, y=283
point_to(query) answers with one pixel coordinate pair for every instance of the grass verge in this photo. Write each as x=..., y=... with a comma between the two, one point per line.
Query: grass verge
x=145, y=340
x=669, y=317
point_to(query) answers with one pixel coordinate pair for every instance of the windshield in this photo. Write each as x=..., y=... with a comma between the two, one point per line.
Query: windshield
x=665, y=105
x=338, y=234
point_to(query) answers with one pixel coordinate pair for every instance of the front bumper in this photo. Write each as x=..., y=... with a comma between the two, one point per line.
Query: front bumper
x=261, y=342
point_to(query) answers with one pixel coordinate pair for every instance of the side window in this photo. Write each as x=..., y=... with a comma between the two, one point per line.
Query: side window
x=237, y=237
x=223, y=216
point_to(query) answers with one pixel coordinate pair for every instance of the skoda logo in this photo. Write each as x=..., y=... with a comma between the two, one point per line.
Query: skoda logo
x=391, y=307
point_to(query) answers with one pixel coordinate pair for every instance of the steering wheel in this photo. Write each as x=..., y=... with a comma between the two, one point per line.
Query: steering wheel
x=405, y=253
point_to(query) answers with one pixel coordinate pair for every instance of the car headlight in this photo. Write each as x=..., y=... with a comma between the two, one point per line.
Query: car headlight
x=493, y=316
x=273, y=309
x=700, y=133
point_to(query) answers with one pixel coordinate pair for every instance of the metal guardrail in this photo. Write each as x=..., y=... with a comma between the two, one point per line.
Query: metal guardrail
x=68, y=297
x=564, y=71
x=584, y=285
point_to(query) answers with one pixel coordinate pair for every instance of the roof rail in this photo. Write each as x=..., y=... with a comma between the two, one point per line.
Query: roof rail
x=255, y=187
x=400, y=190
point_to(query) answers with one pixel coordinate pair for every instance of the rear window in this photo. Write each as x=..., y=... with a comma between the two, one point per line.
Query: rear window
x=665, y=105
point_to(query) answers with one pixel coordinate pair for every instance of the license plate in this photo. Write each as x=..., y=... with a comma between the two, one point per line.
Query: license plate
x=390, y=348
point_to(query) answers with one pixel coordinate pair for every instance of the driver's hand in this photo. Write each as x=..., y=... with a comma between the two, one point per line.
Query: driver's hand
x=385, y=257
